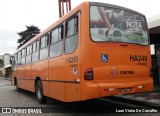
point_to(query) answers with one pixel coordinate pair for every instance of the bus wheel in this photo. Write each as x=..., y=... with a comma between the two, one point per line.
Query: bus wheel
x=18, y=89
x=39, y=92
x=15, y=84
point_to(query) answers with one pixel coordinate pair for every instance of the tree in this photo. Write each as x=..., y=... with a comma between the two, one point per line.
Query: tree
x=1, y=63
x=27, y=34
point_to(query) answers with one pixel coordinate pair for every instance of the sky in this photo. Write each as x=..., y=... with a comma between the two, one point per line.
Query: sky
x=16, y=14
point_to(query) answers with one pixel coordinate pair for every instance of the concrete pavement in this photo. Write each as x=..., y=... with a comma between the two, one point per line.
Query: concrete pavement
x=148, y=98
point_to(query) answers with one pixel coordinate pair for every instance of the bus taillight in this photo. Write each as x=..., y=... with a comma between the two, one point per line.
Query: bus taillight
x=88, y=75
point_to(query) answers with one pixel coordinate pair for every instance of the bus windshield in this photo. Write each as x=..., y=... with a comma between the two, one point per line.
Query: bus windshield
x=117, y=25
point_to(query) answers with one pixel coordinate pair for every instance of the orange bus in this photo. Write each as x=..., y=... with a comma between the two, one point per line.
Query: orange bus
x=95, y=50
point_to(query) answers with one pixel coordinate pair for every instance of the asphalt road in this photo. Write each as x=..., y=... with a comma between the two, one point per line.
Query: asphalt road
x=24, y=100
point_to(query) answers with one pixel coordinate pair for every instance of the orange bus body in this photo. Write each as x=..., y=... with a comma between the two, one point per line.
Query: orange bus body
x=63, y=76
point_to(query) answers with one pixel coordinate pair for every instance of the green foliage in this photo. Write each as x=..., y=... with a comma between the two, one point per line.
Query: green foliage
x=27, y=34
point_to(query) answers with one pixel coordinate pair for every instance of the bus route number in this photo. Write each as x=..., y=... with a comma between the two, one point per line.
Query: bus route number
x=73, y=59
x=138, y=58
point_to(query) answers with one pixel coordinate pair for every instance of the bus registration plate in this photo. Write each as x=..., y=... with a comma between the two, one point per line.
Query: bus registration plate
x=125, y=90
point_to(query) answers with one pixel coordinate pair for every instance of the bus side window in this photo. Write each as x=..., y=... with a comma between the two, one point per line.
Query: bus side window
x=14, y=60
x=19, y=57
x=23, y=61
x=54, y=36
x=37, y=45
x=71, y=39
x=44, y=47
x=28, y=55
x=44, y=41
x=35, y=54
x=56, y=47
x=34, y=46
x=76, y=24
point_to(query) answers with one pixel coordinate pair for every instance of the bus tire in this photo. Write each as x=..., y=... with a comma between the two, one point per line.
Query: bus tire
x=15, y=84
x=18, y=89
x=39, y=93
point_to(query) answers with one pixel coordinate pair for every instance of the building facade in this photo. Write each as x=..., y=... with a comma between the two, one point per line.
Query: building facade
x=154, y=32
x=5, y=65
